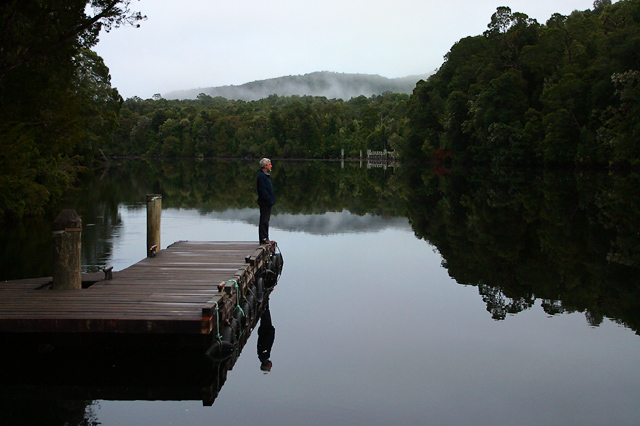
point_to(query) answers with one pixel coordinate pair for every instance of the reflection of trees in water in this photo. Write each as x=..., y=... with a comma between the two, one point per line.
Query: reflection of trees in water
x=309, y=188
x=301, y=187
x=570, y=240
x=500, y=305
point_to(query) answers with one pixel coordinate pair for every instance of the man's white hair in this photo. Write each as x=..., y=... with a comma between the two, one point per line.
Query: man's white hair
x=264, y=162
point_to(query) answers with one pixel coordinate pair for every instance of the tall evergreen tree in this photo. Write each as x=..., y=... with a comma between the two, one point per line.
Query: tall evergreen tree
x=55, y=96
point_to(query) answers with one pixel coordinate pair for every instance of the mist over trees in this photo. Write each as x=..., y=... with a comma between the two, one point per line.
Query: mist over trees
x=326, y=84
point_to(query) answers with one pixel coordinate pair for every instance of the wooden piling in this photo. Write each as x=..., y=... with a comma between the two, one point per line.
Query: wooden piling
x=154, y=209
x=67, y=237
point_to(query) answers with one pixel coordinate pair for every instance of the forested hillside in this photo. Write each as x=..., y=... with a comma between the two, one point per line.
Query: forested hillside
x=330, y=85
x=525, y=93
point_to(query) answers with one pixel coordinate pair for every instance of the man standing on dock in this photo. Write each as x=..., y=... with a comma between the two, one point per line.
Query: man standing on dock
x=266, y=199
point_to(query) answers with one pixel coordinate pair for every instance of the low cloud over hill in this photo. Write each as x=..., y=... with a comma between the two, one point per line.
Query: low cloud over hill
x=329, y=84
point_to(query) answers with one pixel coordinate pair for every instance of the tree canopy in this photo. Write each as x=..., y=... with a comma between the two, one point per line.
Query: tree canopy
x=527, y=93
x=288, y=127
x=56, y=102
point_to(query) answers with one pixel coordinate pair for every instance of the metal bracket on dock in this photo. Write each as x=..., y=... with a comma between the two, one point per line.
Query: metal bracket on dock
x=259, y=256
x=229, y=286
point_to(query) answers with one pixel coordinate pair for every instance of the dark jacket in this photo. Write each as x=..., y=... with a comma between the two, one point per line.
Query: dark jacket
x=265, y=190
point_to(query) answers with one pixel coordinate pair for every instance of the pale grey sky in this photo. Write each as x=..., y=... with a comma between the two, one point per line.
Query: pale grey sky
x=204, y=43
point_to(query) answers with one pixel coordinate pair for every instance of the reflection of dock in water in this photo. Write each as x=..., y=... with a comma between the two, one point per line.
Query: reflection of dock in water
x=375, y=159
x=148, y=370
x=168, y=327
x=382, y=159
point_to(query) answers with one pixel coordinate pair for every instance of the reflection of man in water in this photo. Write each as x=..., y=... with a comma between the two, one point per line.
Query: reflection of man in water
x=266, y=336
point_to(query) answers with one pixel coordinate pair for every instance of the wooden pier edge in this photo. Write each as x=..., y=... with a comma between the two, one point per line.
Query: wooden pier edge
x=242, y=298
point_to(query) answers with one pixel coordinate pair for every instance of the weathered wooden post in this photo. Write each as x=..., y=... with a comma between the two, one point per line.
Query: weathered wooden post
x=67, y=237
x=154, y=208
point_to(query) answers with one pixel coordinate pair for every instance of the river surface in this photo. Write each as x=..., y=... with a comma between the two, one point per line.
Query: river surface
x=371, y=328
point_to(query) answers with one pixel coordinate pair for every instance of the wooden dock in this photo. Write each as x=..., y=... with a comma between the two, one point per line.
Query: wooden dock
x=203, y=293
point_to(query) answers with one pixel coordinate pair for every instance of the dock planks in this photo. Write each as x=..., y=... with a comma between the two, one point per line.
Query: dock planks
x=165, y=294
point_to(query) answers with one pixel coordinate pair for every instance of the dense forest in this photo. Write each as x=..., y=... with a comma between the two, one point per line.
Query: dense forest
x=57, y=106
x=286, y=127
x=564, y=93
x=522, y=93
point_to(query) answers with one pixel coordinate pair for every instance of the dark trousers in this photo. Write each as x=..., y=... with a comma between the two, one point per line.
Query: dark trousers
x=263, y=226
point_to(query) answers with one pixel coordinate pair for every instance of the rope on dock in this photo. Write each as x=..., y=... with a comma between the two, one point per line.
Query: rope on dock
x=245, y=304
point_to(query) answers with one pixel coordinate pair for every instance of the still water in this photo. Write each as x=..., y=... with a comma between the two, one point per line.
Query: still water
x=371, y=328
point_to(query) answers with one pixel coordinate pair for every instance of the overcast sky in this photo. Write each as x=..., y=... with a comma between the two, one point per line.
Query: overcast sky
x=191, y=44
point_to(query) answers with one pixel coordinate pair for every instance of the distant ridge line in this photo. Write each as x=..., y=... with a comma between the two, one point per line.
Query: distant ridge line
x=331, y=85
